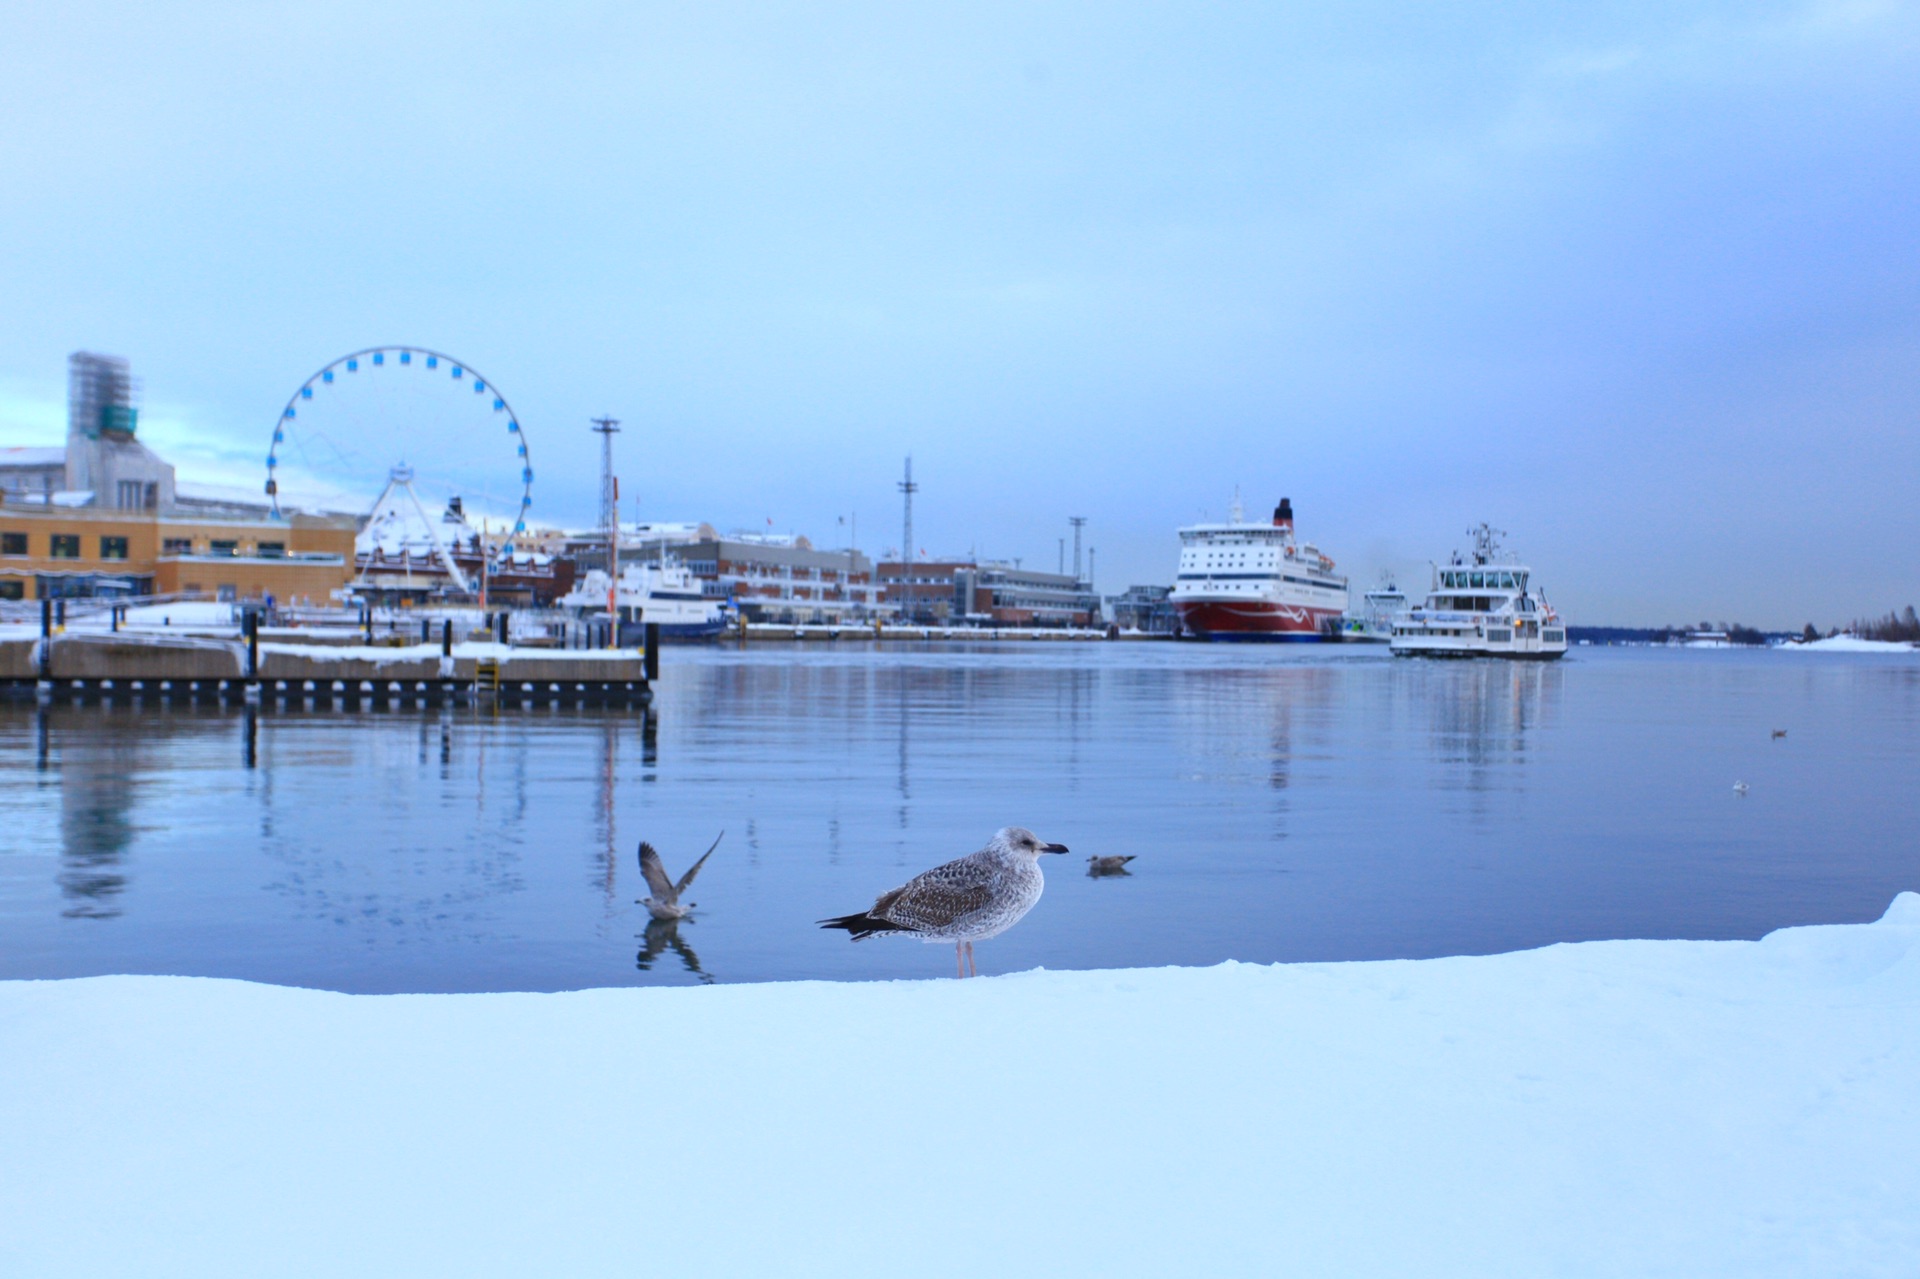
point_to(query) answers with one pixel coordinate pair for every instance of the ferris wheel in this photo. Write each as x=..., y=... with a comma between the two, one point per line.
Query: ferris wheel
x=397, y=413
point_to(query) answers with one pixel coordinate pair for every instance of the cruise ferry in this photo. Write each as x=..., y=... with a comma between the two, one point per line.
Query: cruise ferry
x=1241, y=581
x=1481, y=606
x=665, y=591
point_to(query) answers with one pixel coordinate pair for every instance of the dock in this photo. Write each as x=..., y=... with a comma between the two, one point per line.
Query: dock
x=334, y=670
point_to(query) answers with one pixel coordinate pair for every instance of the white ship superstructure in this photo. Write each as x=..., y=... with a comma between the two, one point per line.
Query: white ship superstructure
x=1481, y=606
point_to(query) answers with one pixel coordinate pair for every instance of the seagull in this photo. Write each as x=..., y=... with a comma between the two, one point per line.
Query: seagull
x=967, y=900
x=665, y=902
x=1779, y=733
x=1098, y=865
x=1739, y=788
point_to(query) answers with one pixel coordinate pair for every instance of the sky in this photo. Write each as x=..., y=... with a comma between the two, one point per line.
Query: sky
x=1634, y=282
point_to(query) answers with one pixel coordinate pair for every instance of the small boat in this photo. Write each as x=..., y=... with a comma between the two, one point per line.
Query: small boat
x=1373, y=623
x=1481, y=606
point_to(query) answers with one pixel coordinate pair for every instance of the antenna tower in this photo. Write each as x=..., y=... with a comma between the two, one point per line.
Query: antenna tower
x=909, y=488
x=1079, y=522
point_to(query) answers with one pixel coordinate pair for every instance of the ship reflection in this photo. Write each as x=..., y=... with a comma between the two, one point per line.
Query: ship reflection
x=663, y=935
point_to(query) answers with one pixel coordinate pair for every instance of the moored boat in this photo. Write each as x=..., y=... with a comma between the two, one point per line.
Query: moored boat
x=664, y=592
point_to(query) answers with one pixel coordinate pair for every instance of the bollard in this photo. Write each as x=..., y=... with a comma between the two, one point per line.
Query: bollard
x=501, y=618
x=46, y=638
x=652, y=656
x=60, y=614
x=446, y=639
x=252, y=621
x=426, y=631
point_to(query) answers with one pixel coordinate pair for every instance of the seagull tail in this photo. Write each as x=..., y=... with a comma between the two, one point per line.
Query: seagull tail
x=863, y=925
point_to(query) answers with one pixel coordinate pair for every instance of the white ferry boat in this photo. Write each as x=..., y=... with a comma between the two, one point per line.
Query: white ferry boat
x=1241, y=581
x=1481, y=607
x=665, y=591
x=1373, y=624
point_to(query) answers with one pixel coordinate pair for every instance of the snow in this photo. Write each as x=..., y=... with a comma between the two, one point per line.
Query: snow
x=1848, y=644
x=1609, y=1108
x=386, y=654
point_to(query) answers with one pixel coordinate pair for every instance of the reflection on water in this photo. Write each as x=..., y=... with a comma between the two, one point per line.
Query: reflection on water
x=1280, y=805
x=663, y=935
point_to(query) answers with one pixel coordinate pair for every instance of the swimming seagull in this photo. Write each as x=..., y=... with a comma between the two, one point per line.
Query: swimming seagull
x=1098, y=865
x=967, y=900
x=665, y=902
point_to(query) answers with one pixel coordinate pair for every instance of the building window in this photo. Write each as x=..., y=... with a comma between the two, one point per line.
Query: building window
x=66, y=546
x=13, y=544
x=12, y=589
x=220, y=547
x=177, y=546
x=273, y=550
x=113, y=548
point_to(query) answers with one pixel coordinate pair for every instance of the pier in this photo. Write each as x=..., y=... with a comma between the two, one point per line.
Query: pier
x=291, y=669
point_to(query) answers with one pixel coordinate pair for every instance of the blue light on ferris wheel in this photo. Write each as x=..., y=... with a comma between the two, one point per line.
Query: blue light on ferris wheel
x=279, y=436
x=523, y=450
x=406, y=357
x=498, y=404
x=512, y=425
x=272, y=461
x=478, y=386
x=289, y=412
x=526, y=475
x=519, y=526
x=306, y=393
x=457, y=371
x=433, y=361
x=327, y=376
x=353, y=366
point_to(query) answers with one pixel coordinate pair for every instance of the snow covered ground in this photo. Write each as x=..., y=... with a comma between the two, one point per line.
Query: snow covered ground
x=1848, y=644
x=1612, y=1108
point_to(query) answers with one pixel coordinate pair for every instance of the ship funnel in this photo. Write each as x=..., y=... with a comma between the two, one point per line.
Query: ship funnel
x=1283, y=514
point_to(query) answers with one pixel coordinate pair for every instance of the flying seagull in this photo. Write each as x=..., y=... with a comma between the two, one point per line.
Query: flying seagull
x=665, y=902
x=1116, y=865
x=1739, y=788
x=967, y=900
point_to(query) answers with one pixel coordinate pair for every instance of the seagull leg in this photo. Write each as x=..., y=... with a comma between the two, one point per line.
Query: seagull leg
x=971, y=970
x=959, y=966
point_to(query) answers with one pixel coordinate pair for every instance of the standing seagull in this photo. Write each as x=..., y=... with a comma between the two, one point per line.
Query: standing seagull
x=665, y=902
x=967, y=900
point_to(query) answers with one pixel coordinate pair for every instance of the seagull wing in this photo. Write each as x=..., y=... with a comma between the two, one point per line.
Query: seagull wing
x=687, y=878
x=657, y=882
x=940, y=896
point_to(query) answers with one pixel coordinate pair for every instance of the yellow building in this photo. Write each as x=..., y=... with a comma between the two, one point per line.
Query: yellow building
x=49, y=551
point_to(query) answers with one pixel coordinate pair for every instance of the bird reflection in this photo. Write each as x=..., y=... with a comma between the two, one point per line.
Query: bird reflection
x=661, y=936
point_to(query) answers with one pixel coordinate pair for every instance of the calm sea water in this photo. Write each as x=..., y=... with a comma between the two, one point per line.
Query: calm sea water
x=1282, y=803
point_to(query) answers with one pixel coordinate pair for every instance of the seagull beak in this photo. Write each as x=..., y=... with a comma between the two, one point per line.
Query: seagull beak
x=1053, y=848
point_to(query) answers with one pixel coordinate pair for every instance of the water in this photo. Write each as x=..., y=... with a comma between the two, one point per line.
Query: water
x=1284, y=804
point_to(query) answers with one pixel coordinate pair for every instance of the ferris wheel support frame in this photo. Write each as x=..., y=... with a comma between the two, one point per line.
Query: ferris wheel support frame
x=403, y=476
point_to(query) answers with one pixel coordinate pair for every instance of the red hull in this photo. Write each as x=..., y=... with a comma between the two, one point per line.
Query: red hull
x=1253, y=620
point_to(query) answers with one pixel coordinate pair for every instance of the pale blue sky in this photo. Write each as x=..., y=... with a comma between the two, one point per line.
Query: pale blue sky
x=1636, y=282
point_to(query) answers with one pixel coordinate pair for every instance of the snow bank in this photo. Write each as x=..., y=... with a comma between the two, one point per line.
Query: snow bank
x=1847, y=644
x=1613, y=1108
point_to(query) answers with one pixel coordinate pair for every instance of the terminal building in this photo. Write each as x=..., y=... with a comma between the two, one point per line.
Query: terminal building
x=103, y=516
x=1008, y=595
x=768, y=577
